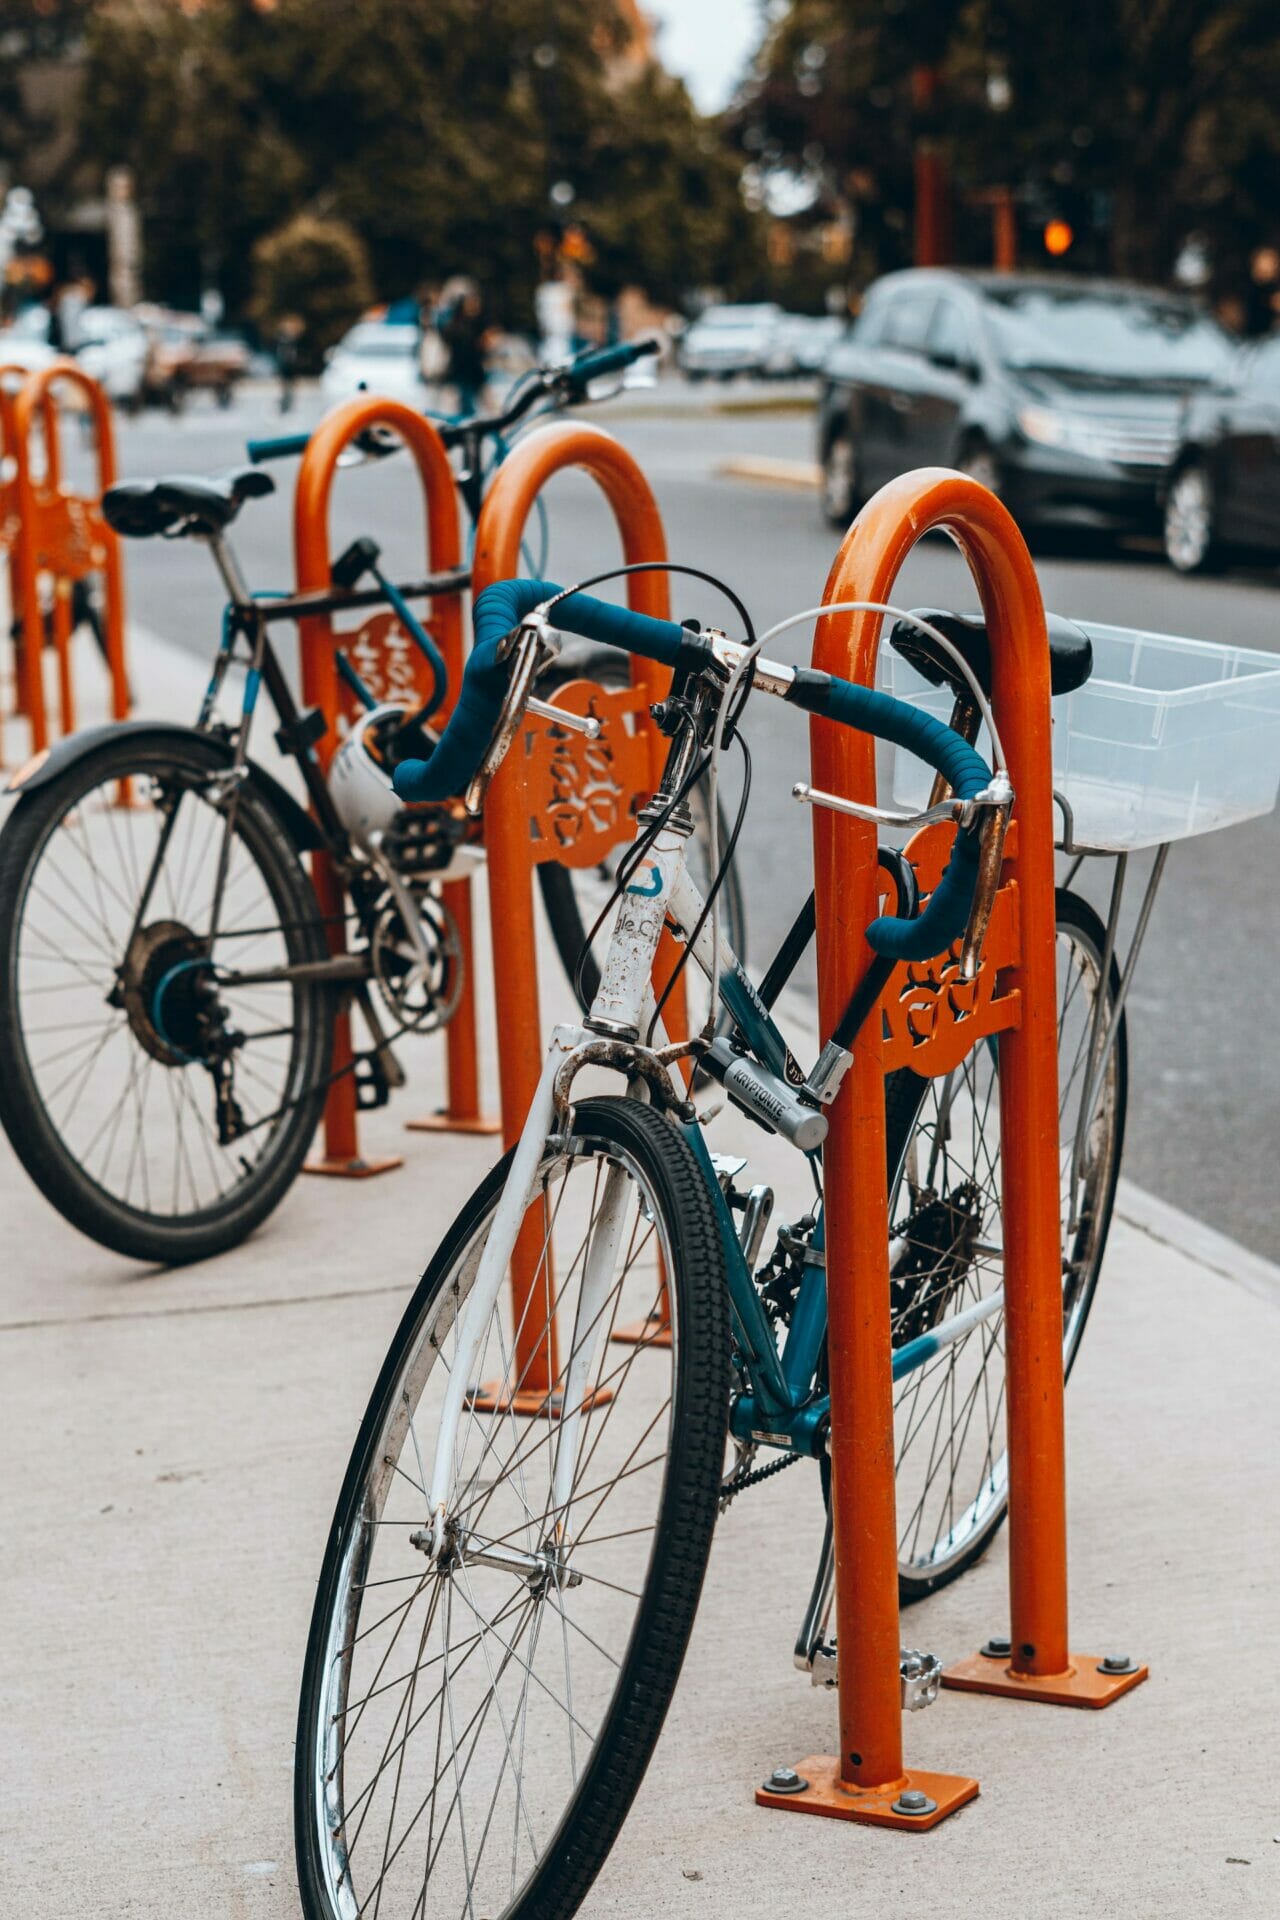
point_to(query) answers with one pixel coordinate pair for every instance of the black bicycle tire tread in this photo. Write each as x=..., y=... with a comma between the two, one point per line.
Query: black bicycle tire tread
x=677, y=1568
x=76, y=1197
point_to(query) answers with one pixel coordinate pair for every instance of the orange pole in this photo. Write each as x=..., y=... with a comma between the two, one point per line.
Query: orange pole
x=1005, y=230
x=867, y=1780
x=932, y=199
x=534, y=461
x=11, y=525
x=320, y=688
x=866, y=567
x=37, y=554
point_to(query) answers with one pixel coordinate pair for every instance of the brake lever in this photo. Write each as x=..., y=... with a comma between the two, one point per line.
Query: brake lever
x=534, y=643
x=997, y=802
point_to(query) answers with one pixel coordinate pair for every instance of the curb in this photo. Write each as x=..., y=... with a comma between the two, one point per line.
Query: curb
x=1171, y=1227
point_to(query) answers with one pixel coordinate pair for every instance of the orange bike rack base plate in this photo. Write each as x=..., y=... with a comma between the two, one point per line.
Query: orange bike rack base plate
x=1085, y=1683
x=355, y=1167
x=443, y=1122
x=532, y=1403
x=652, y=1332
x=826, y=1796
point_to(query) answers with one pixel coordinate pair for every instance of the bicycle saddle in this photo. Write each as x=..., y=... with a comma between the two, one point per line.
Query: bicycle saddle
x=183, y=503
x=1070, y=650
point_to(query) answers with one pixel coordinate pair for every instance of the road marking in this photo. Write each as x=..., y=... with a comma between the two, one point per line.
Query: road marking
x=767, y=471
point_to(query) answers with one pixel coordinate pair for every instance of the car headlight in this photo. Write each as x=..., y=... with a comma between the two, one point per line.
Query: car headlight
x=1047, y=428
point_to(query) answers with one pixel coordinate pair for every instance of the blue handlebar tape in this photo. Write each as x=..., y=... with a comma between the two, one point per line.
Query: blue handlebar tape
x=589, y=366
x=499, y=608
x=283, y=448
x=466, y=737
x=966, y=773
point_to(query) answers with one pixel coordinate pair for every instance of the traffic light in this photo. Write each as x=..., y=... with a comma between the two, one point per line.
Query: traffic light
x=1058, y=237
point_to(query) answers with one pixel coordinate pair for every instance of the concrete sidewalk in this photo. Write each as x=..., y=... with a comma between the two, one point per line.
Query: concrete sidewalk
x=174, y=1446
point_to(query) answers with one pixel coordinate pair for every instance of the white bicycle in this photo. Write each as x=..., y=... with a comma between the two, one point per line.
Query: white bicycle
x=519, y=1546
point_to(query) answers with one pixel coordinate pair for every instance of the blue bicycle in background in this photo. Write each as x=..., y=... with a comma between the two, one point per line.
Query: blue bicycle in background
x=166, y=1024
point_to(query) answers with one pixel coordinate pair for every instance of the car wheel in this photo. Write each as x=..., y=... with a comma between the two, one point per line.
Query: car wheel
x=980, y=464
x=839, y=482
x=1190, y=544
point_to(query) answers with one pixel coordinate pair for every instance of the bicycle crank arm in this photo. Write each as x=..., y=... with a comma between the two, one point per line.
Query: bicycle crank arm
x=338, y=968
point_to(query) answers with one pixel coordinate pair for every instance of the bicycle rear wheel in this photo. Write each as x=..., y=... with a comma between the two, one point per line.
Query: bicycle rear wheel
x=473, y=1728
x=946, y=1255
x=161, y=1108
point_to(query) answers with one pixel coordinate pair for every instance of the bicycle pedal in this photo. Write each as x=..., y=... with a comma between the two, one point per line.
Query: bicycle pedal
x=920, y=1674
x=373, y=1088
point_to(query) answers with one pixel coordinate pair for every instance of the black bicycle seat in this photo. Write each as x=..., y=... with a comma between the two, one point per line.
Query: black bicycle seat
x=1070, y=650
x=183, y=503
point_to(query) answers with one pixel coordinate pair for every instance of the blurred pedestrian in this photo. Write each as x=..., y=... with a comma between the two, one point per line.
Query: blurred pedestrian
x=433, y=355
x=464, y=330
x=288, y=350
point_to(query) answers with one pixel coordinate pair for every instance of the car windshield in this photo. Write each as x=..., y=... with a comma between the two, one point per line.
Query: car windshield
x=381, y=342
x=1129, y=337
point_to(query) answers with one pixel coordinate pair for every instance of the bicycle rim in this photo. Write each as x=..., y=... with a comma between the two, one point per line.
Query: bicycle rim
x=112, y=1094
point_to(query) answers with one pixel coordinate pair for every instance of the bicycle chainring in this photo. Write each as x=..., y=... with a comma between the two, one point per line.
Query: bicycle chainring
x=421, y=994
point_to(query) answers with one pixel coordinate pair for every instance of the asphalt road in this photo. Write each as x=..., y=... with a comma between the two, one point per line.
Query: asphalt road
x=1204, y=1051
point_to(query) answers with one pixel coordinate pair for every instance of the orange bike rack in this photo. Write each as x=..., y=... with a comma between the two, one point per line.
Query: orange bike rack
x=11, y=379
x=392, y=668
x=64, y=536
x=534, y=810
x=933, y=1020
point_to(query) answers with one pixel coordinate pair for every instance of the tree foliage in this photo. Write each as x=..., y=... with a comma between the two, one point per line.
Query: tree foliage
x=434, y=128
x=1154, y=116
x=314, y=270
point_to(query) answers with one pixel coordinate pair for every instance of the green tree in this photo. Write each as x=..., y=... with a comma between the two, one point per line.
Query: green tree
x=1154, y=116
x=435, y=128
x=316, y=270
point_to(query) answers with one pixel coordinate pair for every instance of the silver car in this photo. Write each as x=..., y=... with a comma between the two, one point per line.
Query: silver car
x=724, y=341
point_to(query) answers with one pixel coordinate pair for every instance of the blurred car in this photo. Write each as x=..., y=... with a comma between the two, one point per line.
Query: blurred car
x=172, y=342
x=724, y=341
x=1062, y=395
x=378, y=355
x=112, y=347
x=220, y=362
x=25, y=341
x=1223, y=493
x=787, y=342
x=814, y=343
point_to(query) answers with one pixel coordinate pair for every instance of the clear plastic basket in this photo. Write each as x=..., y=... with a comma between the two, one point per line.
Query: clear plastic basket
x=1166, y=739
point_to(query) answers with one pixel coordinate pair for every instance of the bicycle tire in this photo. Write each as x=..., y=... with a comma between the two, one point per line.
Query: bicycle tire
x=907, y=1097
x=57, y=1164
x=649, y=1148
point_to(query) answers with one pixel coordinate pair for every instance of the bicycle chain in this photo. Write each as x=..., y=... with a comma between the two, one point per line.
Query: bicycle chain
x=740, y=1482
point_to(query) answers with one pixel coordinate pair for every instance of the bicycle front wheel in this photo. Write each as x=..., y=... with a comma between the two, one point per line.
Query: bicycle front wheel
x=946, y=1183
x=474, y=1726
x=159, y=1100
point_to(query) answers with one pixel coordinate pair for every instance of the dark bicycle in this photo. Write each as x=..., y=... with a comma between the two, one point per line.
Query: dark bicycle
x=169, y=990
